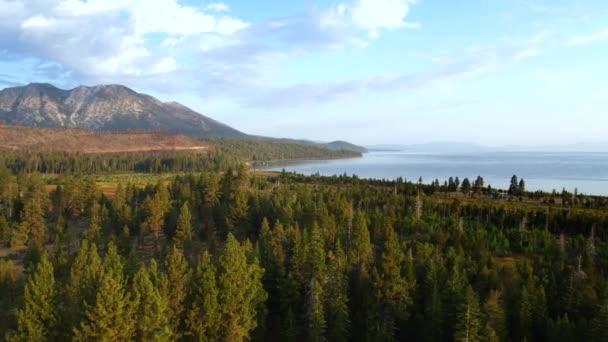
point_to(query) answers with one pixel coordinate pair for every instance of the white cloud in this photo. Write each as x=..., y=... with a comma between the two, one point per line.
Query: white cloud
x=589, y=38
x=371, y=15
x=38, y=22
x=376, y=14
x=217, y=7
x=91, y=7
x=167, y=16
x=108, y=40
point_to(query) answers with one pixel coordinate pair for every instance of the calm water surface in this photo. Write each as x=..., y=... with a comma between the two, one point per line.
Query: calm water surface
x=542, y=171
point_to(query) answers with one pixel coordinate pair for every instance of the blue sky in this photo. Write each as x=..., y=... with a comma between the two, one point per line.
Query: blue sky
x=369, y=71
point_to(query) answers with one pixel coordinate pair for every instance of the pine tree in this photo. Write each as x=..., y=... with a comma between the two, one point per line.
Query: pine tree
x=112, y=263
x=240, y=284
x=85, y=274
x=514, y=186
x=37, y=318
x=111, y=317
x=468, y=327
x=337, y=311
x=466, y=186
x=32, y=226
x=152, y=323
x=433, y=314
x=178, y=279
x=390, y=286
x=93, y=233
x=316, y=254
x=361, y=246
x=183, y=232
x=495, y=313
x=156, y=208
x=204, y=317
x=316, y=314
x=525, y=314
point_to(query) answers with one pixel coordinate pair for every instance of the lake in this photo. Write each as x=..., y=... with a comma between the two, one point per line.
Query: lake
x=588, y=172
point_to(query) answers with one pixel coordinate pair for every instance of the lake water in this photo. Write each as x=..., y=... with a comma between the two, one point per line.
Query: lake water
x=588, y=172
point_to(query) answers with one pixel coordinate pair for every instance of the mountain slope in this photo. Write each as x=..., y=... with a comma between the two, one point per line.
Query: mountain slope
x=106, y=107
x=38, y=139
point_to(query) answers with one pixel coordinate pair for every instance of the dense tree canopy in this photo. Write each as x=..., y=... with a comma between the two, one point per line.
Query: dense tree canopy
x=230, y=256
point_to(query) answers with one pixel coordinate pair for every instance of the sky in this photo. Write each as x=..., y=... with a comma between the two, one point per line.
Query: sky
x=494, y=72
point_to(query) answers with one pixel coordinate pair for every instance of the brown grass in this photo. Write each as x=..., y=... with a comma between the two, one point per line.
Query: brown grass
x=36, y=139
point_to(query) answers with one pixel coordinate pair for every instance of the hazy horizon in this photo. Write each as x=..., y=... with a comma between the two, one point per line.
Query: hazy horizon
x=491, y=72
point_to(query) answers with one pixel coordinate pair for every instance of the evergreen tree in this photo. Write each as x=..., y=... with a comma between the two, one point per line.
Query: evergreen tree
x=204, y=317
x=495, y=314
x=390, y=286
x=112, y=263
x=316, y=254
x=468, y=327
x=525, y=314
x=183, y=232
x=316, y=314
x=32, y=226
x=178, y=279
x=514, y=186
x=337, y=312
x=433, y=314
x=152, y=321
x=361, y=246
x=93, y=233
x=478, y=185
x=37, y=317
x=85, y=274
x=466, y=186
x=110, y=317
x=156, y=208
x=240, y=284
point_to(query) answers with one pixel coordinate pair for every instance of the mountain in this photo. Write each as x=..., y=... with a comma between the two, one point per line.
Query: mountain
x=104, y=107
x=39, y=139
x=346, y=146
x=335, y=146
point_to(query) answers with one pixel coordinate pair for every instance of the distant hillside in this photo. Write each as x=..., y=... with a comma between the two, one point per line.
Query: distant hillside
x=343, y=145
x=277, y=149
x=334, y=146
x=104, y=107
x=35, y=139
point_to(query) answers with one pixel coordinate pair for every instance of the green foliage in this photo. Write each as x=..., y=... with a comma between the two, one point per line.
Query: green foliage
x=266, y=150
x=37, y=317
x=344, y=259
x=151, y=312
x=178, y=281
x=316, y=314
x=204, y=317
x=468, y=326
x=240, y=290
x=110, y=317
x=183, y=232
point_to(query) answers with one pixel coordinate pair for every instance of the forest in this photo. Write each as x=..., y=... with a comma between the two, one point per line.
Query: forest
x=222, y=254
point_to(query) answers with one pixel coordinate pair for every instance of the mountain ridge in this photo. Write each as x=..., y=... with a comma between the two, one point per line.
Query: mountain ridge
x=104, y=107
x=115, y=107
